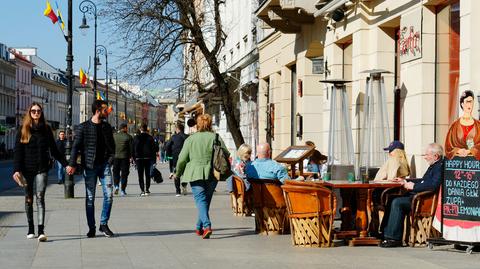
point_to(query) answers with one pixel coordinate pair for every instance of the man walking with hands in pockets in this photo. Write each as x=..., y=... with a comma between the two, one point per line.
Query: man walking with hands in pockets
x=94, y=139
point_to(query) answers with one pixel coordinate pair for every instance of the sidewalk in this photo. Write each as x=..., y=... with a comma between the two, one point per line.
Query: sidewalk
x=157, y=232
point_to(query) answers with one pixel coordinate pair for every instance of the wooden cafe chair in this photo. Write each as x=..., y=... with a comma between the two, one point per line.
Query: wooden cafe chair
x=240, y=198
x=269, y=206
x=311, y=211
x=418, y=224
x=421, y=218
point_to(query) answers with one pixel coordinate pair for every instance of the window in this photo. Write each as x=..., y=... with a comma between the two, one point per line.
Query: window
x=318, y=66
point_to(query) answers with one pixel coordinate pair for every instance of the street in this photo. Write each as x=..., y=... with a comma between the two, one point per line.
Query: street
x=157, y=232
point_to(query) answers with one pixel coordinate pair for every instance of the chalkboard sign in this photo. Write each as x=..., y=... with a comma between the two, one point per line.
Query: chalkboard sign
x=462, y=189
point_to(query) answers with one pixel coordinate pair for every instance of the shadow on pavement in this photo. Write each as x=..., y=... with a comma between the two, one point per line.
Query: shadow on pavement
x=174, y=232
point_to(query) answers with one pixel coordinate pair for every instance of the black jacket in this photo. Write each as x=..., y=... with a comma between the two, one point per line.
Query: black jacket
x=431, y=180
x=144, y=147
x=175, y=145
x=61, y=146
x=86, y=143
x=34, y=157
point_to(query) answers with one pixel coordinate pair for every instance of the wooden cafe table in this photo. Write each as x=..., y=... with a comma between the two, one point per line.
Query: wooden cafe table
x=363, y=201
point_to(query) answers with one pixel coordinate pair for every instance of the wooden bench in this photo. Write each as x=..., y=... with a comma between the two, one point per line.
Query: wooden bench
x=311, y=210
x=240, y=198
x=269, y=206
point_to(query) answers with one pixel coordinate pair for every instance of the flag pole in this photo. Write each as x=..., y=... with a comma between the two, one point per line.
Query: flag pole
x=60, y=18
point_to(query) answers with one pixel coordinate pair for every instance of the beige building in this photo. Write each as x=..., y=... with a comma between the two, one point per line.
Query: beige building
x=429, y=47
x=291, y=65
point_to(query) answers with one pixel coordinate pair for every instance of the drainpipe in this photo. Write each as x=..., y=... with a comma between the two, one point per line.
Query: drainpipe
x=435, y=93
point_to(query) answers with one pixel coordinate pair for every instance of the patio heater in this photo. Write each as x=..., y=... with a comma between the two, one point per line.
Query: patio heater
x=341, y=157
x=375, y=131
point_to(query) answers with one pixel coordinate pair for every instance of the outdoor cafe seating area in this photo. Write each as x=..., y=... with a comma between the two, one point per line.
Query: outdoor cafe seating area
x=307, y=211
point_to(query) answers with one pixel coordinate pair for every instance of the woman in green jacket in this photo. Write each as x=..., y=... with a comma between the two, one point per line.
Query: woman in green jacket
x=195, y=166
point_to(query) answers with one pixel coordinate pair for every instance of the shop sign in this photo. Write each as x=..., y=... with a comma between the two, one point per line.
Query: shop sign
x=410, y=36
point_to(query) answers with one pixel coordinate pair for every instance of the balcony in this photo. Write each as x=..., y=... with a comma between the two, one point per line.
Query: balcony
x=286, y=16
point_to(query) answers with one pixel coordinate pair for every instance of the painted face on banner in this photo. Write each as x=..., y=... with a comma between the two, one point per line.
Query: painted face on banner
x=468, y=105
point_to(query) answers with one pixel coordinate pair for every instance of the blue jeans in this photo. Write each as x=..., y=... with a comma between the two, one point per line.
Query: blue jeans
x=202, y=194
x=399, y=208
x=60, y=172
x=104, y=173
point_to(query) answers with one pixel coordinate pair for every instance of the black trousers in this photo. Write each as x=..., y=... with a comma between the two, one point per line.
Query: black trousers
x=121, y=169
x=143, y=168
x=173, y=165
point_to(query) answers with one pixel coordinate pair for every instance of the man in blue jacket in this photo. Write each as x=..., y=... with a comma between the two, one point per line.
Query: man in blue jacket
x=400, y=206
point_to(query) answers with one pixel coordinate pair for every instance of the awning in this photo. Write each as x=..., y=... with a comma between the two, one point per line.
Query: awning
x=197, y=107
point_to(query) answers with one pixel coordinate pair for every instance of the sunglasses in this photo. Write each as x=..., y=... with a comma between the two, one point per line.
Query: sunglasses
x=36, y=111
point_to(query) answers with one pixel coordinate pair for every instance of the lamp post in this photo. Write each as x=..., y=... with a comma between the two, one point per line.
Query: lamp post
x=102, y=50
x=125, y=95
x=117, y=91
x=87, y=6
x=69, y=183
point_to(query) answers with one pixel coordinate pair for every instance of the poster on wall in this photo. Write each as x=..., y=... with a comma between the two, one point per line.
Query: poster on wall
x=410, y=36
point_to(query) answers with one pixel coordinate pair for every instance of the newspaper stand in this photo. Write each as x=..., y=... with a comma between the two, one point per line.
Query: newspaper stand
x=453, y=202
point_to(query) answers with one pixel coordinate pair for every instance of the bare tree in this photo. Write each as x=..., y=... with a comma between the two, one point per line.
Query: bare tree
x=154, y=31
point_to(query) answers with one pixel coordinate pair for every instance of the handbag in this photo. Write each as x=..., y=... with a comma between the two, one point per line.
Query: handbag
x=220, y=163
x=157, y=176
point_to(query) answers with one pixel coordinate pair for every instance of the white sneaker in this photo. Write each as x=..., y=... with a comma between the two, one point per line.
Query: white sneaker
x=42, y=238
x=30, y=236
x=142, y=194
x=178, y=195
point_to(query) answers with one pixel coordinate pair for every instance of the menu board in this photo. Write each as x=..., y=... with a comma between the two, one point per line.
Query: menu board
x=462, y=189
x=294, y=154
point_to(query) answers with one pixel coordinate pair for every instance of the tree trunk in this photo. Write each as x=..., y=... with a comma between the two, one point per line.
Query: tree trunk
x=232, y=122
x=227, y=104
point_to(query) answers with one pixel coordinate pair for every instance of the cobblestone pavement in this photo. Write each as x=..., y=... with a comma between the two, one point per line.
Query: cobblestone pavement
x=157, y=232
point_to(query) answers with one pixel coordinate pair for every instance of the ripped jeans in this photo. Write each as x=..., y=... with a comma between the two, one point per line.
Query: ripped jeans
x=103, y=172
x=40, y=181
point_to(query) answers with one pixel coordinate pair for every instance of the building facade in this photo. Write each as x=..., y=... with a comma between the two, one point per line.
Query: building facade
x=428, y=47
x=290, y=68
x=7, y=100
x=238, y=63
x=23, y=79
x=49, y=88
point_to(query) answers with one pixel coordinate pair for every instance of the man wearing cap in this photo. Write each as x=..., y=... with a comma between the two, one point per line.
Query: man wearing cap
x=396, y=165
x=399, y=207
x=123, y=155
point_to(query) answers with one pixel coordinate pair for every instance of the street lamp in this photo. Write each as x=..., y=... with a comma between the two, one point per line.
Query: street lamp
x=102, y=50
x=87, y=6
x=117, y=90
x=69, y=182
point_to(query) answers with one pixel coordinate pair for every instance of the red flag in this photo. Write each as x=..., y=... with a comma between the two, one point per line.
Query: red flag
x=50, y=13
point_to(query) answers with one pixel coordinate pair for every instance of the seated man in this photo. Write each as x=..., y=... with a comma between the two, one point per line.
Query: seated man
x=264, y=167
x=400, y=206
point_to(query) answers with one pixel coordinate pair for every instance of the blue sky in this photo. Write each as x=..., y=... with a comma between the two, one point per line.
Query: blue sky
x=23, y=25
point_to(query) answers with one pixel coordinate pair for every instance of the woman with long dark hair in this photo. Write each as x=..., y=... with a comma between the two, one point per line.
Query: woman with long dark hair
x=33, y=147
